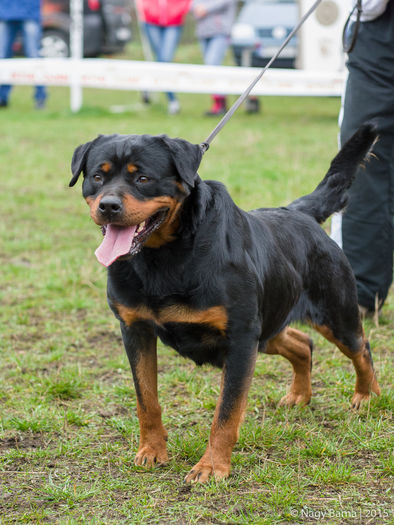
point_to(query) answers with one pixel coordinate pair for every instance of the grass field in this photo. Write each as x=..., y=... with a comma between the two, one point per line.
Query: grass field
x=68, y=426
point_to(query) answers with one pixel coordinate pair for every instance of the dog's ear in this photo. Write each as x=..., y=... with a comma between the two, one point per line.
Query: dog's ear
x=78, y=162
x=186, y=157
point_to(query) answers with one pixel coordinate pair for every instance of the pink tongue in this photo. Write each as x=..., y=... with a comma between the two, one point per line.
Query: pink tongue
x=117, y=242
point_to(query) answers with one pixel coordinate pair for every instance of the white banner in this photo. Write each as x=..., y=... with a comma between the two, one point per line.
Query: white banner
x=154, y=76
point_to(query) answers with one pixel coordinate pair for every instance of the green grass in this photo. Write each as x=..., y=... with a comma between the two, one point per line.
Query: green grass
x=68, y=425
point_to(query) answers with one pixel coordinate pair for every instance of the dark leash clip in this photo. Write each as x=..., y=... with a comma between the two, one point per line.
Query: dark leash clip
x=350, y=32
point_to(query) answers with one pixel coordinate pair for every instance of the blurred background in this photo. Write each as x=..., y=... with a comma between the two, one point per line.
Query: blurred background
x=111, y=27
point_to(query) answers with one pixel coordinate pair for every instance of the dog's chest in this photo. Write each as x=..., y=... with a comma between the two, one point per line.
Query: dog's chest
x=199, y=334
x=214, y=317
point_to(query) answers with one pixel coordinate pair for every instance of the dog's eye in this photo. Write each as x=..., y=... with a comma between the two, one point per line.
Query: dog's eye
x=97, y=178
x=143, y=179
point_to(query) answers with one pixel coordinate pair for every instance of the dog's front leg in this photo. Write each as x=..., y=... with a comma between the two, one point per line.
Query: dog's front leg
x=140, y=343
x=236, y=378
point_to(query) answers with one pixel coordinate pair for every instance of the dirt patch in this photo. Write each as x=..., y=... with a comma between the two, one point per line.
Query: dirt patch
x=117, y=410
x=25, y=441
x=104, y=338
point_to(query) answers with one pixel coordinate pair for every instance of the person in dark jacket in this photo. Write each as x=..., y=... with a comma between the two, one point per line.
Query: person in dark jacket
x=21, y=17
x=214, y=20
x=365, y=230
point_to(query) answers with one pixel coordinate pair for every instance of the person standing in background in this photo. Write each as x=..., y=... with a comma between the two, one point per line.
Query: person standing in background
x=163, y=23
x=365, y=230
x=21, y=17
x=214, y=20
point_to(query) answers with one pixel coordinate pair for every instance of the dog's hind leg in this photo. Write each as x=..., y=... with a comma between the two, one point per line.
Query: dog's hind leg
x=297, y=348
x=360, y=354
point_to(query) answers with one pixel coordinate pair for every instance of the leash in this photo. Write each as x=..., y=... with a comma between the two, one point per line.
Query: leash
x=205, y=145
x=349, y=45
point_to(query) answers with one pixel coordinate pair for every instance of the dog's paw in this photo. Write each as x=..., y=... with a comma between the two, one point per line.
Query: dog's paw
x=362, y=397
x=291, y=399
x=359, y=398
x=202, y=471
x=149, y=456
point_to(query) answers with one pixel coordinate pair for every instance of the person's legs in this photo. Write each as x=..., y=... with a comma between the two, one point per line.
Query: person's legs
x=153, y=34
x=367, y=224
x=8, y=32
x=31, y=43
x=170, y=39
x=164, y=41
x=214, y=51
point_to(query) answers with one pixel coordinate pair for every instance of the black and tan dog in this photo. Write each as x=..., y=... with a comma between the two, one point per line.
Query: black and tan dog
x=216, y=283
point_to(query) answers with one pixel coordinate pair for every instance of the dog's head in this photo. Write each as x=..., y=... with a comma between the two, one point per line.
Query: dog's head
x=134, y=186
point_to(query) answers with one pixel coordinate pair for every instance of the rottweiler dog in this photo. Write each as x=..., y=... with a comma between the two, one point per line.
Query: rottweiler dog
x=216, y=283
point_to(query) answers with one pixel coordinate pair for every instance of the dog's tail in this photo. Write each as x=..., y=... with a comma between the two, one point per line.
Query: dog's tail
x=331, y=194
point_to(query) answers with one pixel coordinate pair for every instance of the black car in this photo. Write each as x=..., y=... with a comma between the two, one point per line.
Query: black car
x=107, y=27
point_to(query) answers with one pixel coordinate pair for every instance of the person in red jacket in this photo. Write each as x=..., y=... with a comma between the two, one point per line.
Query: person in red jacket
x=163, y=22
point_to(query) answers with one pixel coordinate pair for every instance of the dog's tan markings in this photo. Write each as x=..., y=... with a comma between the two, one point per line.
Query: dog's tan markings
x=106, y=167
x=326, y=332
x=137, y=211
x=294, y=346
x=131, y=168
x=153, y=436
x=366, y=381
x=166, y=232
x=216, y=460
x=131, y=315
x=215, y=317
x=181, y=188
x=93, y=203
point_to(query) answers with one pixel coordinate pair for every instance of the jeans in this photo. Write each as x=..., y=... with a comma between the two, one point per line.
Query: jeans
x=31, y=34
x=214, y=49
x=164, y=41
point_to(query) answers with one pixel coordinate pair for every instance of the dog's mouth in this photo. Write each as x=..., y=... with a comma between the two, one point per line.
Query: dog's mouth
x=126, y=241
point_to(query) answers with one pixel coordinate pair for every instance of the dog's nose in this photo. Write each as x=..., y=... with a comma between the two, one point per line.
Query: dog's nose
x=110, y=206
